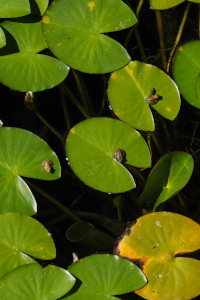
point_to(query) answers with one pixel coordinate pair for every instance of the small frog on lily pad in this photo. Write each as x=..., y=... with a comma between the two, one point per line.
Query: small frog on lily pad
x=153, y=97
x=47, y=165
x=119, y=155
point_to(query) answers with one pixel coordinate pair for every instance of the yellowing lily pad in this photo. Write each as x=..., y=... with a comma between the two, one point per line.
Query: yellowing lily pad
x=156, y=242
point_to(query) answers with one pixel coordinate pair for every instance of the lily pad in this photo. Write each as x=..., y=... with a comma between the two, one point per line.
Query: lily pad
x=156, y=242
x=38, y=7
x=2, y=38
x=86, y=235
x=21, y=67
x=90, y=149
x=21, y=235
x=197, y=86
x=101, y=276
x=73, y=31
x=32, y=282
x=171, y=173
x=129, y=88
x=186, y=69
x=22, y=154
x=14, y=8
x=164, y=4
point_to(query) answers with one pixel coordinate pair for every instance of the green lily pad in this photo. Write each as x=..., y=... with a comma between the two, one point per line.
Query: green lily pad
x=38, y=7
x=33, y=283
x=103, y=276
x=22, y=154
x=186, y=69
x=14, y=8
x=156, y=242
x=2, y=38
x=197, y=86
x=129, y=88
x=90, y=149
x=171, y=173
x=164, y=4
x=20, y=8
x=73, y=31
x=21, y=235
x=21, y=67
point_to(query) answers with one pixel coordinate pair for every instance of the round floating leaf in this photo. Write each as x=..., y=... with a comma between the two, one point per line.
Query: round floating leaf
x=2, y=38
x=21, y=67
x=14, y=8
x=33, y=283
x=90, y=148
x=129, y=88
x=197, y=86
x=104, y=275
x=171, y=173
x=21, y=235
x=156, y=242
x=73, y=31
x=86, y=235
x=39, y=7
x=22, y=154
x=164, y=4
x=186, y=69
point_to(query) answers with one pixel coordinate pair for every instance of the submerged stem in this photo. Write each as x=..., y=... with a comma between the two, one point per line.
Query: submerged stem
x=104, y=96
x=140, y=45
x=64, y=105
x=83, y=93
x=73, y=98
x=179, y=34
x=54, y=201
x=139, y=8
x=161, y=37
x=50, y=127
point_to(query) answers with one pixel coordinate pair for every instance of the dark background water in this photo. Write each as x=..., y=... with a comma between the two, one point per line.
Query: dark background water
x=72, y=192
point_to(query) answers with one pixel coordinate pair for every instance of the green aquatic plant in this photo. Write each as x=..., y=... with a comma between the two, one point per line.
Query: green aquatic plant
x=62, y=47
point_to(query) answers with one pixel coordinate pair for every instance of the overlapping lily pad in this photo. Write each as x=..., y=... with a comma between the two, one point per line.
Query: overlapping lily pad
x=20, y=8
x=22, y=154
x=32, y=282
x=21, y=235
x=101, y=276
x=171, y=173
x=14, y=8
x=2, y=38
x=129, y=88
x=157, y=242
x=38, y=7
x=21, y=67
x=73, y=31
x=165, y=4
x=90, y=148
x=186, y=70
